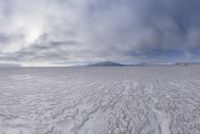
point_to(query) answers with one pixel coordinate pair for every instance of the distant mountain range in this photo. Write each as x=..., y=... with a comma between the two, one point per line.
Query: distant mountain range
x=109, y=63
x=186, y=63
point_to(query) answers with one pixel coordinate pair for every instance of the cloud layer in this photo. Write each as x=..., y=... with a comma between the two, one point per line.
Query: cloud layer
x=79, y=31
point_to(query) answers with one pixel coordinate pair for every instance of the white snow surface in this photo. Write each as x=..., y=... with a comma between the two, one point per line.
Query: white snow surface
x=100, y=100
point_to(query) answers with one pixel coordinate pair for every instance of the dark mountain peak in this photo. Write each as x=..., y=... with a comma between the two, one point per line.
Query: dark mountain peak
x=106, y=63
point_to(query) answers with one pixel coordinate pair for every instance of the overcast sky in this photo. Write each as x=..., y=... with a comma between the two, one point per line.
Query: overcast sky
x=67, y=32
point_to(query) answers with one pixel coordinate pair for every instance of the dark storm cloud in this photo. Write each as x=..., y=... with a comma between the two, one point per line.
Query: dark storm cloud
x=93, y=30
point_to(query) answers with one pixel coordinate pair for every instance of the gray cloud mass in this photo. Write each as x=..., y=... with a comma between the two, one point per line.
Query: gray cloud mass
x=53, y=32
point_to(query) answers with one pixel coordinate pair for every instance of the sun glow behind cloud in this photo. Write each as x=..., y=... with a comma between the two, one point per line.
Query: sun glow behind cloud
x=32, y=35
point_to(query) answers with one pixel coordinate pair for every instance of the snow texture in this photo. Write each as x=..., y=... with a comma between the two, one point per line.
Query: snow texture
x=100, y=100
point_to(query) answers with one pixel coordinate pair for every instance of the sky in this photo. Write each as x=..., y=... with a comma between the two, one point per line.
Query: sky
x=75, y=32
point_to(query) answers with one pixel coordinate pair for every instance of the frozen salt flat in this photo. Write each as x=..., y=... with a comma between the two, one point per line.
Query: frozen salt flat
x=100, y=100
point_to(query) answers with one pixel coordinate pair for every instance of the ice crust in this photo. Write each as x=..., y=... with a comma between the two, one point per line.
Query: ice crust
x=100, y=100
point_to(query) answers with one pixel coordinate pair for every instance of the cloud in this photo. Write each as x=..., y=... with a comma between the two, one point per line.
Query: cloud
x=66, y=31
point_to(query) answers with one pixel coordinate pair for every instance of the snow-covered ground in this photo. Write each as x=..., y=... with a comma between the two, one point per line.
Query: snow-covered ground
x=100, y=100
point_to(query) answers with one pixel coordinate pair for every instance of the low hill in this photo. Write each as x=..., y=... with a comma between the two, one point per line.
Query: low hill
x=106, y=63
